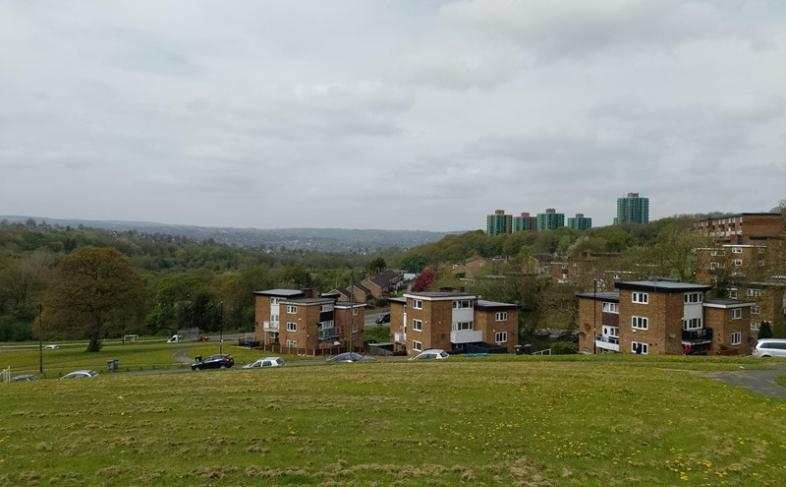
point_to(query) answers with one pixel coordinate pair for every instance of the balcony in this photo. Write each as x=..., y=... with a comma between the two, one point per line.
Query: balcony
x=328, y=333
x=466, y=336
x=400, y=337
x=605, y=342
x=701, y=335
x=271, y=326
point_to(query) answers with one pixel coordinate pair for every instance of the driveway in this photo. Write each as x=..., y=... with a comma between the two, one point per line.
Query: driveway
x=760, y=381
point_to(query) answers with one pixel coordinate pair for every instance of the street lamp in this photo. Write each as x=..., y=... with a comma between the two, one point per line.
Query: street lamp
x=40, y=341
x=221, y=327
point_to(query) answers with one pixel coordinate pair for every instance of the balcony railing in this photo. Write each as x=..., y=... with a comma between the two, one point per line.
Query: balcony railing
x=466, y=336
x=400, y=337
x=328, y=333
x=270, y=326
x=699, y=335
x=606, y=342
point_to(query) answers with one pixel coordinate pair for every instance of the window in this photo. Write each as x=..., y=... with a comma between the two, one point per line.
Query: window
x=737, y=262
x=325, y=308
x=291, y=309
x=733, y=293
x=274, y=317
x=755, y=309
x=462, y=325
x=501, y=337
x=417, y=346
x=641, y=298
x=716, y=265
x=354, y=327
x=693, y=298
x=640, y=322
x=274, y=300
x=355, y=311
x=292, y=343
x=754, y=293
x=502, y=316
x=755, y=325
x=691, y=324
x=291, y=326
x=464, y=303
x=611, y=308
x=639, y=347
x=736, y=337
x=736, y=314
x=417, y=325
x=417, y=304
x=736, y=250
x=761, y=250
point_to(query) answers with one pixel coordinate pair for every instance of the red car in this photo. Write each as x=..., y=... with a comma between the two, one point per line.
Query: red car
x=202, y=338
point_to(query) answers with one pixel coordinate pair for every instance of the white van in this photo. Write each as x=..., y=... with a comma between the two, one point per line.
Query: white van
x=175, y=339
x=770, y=347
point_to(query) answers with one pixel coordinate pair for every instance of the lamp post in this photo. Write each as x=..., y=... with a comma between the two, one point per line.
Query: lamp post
x=221, y=327
x=40, y=341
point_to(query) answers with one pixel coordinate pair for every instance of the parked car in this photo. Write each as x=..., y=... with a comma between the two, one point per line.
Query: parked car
x=383, y=318
x=219, y=361
x=81, y=374
x=24, y=378
x=770, y=347
x=265, y=362
x=431, y=354
x=175, y=339
x=350, y=357
x=51, y=347
x=203, y=338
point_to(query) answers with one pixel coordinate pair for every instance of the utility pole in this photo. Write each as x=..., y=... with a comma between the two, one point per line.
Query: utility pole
x=221, y=327
x=40, y=341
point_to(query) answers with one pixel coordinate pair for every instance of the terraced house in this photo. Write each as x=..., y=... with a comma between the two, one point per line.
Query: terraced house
x=663, y=317
x=305, y=321
x=453, y=321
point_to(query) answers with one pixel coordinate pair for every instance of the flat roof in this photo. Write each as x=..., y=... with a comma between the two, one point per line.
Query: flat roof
x=665, y=286
x=768, y=213
x=439, y=295
x=398, y=300
x=350, y=305
x=726, y=303
x=307, y=301
x=482, y=303
x=613, y=296
x=280, y=292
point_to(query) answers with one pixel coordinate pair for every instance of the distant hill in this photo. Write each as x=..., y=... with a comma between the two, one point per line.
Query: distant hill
x=317, y=239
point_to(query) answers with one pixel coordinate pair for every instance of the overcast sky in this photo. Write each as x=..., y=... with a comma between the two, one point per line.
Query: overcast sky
x=412, y=114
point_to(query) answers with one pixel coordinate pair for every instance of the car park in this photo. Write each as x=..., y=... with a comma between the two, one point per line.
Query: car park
x=266, y=362
x=350, y=357
x=81, y=374
x=219, y=361
x=24, y=378
x=431, y=354
x=770, y=347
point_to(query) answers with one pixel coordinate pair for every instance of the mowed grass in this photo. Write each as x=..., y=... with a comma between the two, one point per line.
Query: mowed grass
x=461, y=422
x=130, y=356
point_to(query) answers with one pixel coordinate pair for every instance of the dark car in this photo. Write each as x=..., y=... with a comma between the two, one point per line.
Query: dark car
x=219, y=361
x=349, y=357
x=383, y=318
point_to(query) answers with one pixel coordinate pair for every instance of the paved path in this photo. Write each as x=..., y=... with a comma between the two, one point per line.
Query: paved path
x=761, y=381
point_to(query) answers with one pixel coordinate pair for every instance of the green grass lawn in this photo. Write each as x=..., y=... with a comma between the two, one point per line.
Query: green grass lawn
x=131, y=356
x=472, y=422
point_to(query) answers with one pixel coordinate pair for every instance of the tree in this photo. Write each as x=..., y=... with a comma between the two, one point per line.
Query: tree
x=765, y=330
x=376, y=266
x=423, y=280
x=93, y=292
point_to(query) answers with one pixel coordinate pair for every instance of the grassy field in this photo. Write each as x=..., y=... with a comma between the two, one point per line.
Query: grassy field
x=544, y=422
x=131, y=357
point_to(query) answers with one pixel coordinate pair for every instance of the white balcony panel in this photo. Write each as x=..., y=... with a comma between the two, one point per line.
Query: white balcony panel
x=466, y=336
x=615, y=347
x=270, y=325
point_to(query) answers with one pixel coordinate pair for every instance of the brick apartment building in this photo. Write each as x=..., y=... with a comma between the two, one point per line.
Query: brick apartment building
x=453, y=321
x=744, y=228
x=663, y=317
x=306, y=322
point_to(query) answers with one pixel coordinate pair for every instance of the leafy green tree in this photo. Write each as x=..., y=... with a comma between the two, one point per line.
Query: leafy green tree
x=93, y=292
x=377, y=265
x=765, y=330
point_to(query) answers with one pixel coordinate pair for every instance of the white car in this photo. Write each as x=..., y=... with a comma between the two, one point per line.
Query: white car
x=770, y=347
x=81, y=374
x=265, y=362
x=52, y=347
x=431, y=354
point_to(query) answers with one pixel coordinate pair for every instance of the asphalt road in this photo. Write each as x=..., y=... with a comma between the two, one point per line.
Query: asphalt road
x=371, y=318
x=760, y=381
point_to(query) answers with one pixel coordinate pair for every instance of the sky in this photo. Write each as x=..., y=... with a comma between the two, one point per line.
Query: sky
x=407, y=114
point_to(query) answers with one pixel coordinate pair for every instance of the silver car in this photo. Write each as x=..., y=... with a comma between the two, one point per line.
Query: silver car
x=265, y=362
x=770, y=347
x=81, y=374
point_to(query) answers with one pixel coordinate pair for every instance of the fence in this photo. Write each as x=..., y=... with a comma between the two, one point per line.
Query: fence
x=5, y=376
